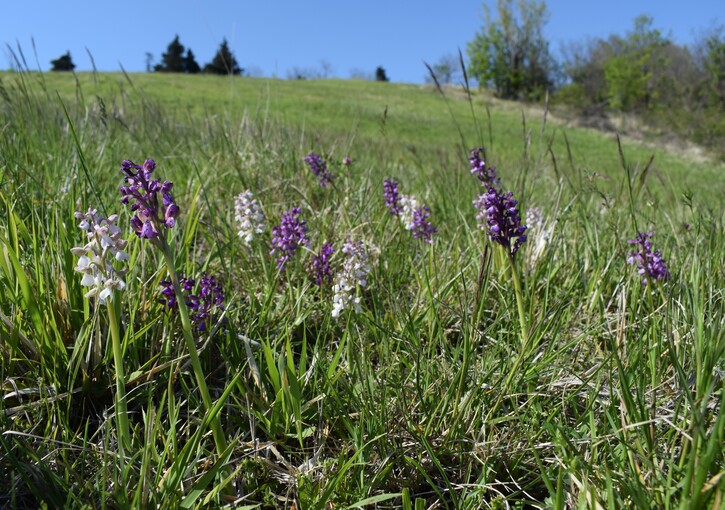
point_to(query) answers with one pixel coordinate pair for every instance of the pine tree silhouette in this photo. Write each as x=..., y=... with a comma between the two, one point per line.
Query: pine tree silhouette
x=380, y=74
x=173, y=60
x=223, y=62
x=190, y=65
x=63, y=63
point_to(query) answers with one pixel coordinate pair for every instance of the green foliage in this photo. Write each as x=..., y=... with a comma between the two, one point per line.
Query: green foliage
x=715, y=66
x=673, y=88
x=510, y=53
x=223, y=62
x=632, y=80
x=63, y=63
x=627, y=79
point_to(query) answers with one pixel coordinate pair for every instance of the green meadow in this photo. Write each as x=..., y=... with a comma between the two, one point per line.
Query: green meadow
x=459, y=374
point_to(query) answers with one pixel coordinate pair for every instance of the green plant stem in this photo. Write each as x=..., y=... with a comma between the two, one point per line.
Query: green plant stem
x=216, y=428
x=519, y=300
x=121, y=408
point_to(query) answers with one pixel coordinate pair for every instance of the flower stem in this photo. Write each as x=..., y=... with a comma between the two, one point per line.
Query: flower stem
x=121, y=408
x=219, y=440
x=519, y=300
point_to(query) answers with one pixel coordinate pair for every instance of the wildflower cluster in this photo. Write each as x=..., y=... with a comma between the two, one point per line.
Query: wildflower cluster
x=392, y=199
x=497, y=210
x=168, y=298
x=415, y=217
x=420, y=226
x=95, y=257
x=534, y=218
x=478, y=168
x=249, y=216
x=650, y=264
x=150, y=214
x=319, y=168
x=204, y=306
x=288, y=236
x=498, y=213
x=321, y=271
x=353, y=273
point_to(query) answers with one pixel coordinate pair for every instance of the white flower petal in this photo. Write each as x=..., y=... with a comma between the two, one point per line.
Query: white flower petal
x=88, y=280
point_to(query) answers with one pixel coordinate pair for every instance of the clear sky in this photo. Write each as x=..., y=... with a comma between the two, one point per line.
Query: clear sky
x=271, y=37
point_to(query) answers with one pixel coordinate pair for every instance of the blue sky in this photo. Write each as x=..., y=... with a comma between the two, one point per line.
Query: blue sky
x=271, y=37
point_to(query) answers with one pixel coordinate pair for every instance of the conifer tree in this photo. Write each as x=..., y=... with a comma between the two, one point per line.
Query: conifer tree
x=190, y=64
x=223, y=62
x=380, y=74
x=63, y=63
x=173, y=60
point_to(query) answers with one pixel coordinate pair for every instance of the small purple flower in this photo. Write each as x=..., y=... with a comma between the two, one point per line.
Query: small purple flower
x=498, y=211
x=649, y=263
x=421, y=226
x=208, y=303
x=204, y=306
x=392, y=199
x=288, y=236
x=478, y=168
x=142, y=193
x=319, y=168
x=168, y=298
x=346, y=161
x=321, y=271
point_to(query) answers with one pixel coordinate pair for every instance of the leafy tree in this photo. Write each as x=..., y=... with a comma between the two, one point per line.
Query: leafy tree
x=190, y=65
x=380, y=74
x=173, y=60
x=63, y=63
x=223, y=62
x=638, y=72
x=510, y=52
x=583, y=68
x=149, y=61
x=715, y=66
x=633, y=80
x=446, y=70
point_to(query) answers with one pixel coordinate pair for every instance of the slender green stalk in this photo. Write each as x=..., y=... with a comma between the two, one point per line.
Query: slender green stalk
x=216, y=428
x=121, y=407
x=519, y=300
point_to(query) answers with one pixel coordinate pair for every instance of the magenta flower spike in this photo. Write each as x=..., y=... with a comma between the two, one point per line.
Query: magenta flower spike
x=319, y=168
x=650, y=264
x=498, y=214
x=142, y=192
x=289, y=235
x=391, y=196
x=487, y=176
x=321, y=271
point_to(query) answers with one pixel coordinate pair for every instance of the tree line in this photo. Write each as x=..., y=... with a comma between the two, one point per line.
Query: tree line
x=176, y=59
x=678, y=88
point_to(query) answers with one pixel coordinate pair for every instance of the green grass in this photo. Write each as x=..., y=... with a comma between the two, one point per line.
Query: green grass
x=431, y=395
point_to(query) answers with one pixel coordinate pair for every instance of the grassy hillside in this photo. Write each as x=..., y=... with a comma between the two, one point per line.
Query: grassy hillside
x=345, y=361
x=416, y=123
